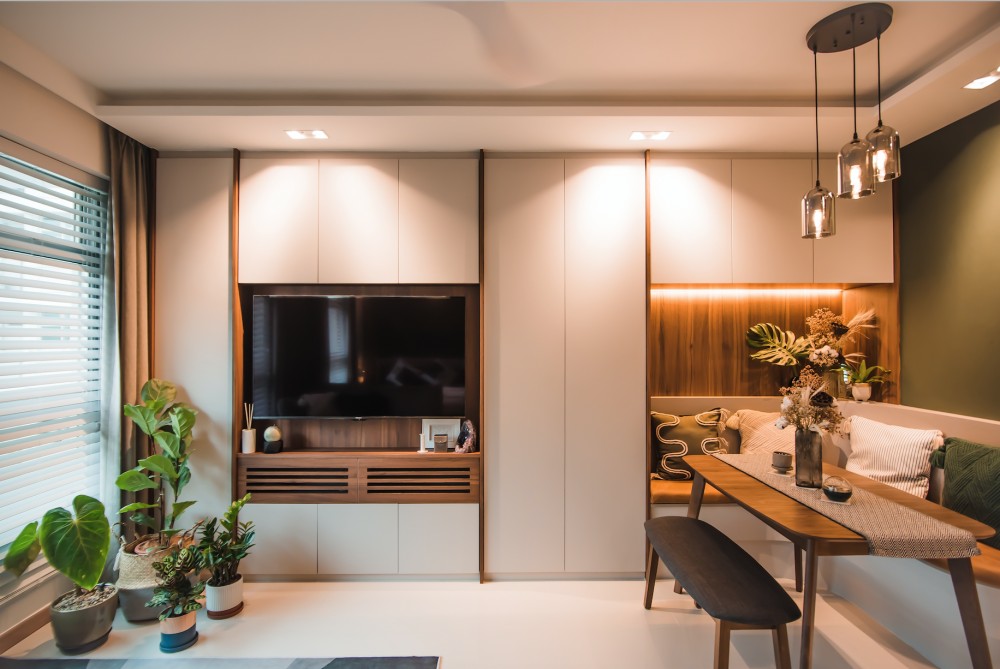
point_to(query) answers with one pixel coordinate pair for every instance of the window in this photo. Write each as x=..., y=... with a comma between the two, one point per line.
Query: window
x=52, y=270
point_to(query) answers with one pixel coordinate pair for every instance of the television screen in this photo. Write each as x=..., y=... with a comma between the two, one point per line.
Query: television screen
x=357, y=356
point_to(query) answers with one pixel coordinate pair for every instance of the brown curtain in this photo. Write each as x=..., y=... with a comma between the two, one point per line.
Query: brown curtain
x=132, y=194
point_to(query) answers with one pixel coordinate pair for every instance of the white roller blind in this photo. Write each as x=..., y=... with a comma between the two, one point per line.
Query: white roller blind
x=52, y=260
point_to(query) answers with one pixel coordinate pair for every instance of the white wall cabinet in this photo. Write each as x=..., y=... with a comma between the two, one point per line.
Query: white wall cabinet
x=358, y=539
x=286, y=539
x=605, y=365
x=278, y=220
x=862, y=249
x=767, y=221
x=438, y=220
x=439, y=539
x=691, y=220
x=359, y=220
x=524, y=365
x=565, y=365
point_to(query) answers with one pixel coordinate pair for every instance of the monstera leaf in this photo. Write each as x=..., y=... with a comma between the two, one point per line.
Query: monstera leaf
x=777, y=346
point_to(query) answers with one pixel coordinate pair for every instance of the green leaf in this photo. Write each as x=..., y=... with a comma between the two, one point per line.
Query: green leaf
x=181, y=507
x=77, y=546
x=23, y=551
x=170, y=444
x=158, y=393
x=183, y=478
x=182, y=419
x=159, y=464
x=142, y=416
x=777, y=346
x=134, y=480
x=144, y=520
x=136, y=506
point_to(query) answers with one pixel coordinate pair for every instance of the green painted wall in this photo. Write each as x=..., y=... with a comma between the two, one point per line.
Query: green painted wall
x=949, y=234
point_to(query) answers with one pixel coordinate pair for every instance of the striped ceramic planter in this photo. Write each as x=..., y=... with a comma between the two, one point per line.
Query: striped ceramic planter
x=178, y=632
x=224, y=601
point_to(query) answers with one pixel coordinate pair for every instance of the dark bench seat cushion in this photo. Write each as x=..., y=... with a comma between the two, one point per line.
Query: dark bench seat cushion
x=728, y=583
x=679, y=492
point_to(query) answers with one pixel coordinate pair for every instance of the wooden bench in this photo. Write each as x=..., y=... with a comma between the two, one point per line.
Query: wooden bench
x=723, y=580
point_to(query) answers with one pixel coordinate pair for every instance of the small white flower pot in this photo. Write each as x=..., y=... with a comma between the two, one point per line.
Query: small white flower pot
x=224, y=601
x=861, y=392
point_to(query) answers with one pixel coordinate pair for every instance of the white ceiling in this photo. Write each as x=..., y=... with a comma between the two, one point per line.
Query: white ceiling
x=528, y=76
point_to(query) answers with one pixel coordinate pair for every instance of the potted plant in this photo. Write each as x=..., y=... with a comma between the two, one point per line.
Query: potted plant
x=169, y=425
x=176, y=597
x=77, y=547
x=862, y=377
x=223, y=544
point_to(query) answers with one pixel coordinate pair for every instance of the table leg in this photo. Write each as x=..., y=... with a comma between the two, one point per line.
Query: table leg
x=808, y=606
x=652, y=563
x=964, y=582
x=697, y=492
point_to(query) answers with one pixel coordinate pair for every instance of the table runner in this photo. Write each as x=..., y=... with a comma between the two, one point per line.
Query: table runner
x=892, y=530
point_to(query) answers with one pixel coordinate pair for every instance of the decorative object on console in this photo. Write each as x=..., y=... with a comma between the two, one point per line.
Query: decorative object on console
x=447, y=426
x=466, y=442
x=859, y=161
x=272, y=439
x=861, y=378
x=248, y=437
x=440, y=443
x=758, y=433
x=811, y=411
x=677, y=436
x=971, y=481
x=897, y=456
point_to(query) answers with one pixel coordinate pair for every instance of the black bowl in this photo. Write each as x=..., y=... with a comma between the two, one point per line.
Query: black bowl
x=837, y=489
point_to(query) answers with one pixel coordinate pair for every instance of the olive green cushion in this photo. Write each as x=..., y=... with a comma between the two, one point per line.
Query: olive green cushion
x=971, y=481
x=674, y=437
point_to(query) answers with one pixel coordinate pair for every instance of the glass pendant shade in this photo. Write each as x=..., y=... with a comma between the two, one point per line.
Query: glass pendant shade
x=855, y=172
x=818, y=214
x=885, y=153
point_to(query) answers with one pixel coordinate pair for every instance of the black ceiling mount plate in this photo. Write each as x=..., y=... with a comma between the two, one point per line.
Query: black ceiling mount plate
x=849, y=27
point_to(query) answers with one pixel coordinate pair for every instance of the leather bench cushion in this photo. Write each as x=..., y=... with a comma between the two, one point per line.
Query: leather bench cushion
x=722, y=577
x=679, y=492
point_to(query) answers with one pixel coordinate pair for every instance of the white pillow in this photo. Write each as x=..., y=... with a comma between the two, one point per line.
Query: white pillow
x=758, y=433
x=897, y=456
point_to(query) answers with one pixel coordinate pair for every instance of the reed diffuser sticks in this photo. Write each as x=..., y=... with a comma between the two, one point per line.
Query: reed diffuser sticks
x=248, y=413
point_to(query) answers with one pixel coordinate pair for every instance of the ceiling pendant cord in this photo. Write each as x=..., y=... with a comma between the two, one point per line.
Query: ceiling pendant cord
x=854, y=79
x=878, y=71
x=816, y=109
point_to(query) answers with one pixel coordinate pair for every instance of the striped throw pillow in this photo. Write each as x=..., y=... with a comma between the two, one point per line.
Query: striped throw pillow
x=758, y=433
x=897, y=456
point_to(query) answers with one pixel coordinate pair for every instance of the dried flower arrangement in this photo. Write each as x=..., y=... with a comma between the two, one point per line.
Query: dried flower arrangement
x=807, y=405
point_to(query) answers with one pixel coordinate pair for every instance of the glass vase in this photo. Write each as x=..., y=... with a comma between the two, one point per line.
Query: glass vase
x=808, y=459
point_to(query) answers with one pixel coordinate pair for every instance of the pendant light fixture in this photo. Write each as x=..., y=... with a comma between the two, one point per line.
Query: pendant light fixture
x=884, y=139
x=855, y=174
x=848, y=29
x=818, y=206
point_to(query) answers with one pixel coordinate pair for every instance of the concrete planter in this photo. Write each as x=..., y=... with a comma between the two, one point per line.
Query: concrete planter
x=224, y=601
x=84, y=630
x=861, y=392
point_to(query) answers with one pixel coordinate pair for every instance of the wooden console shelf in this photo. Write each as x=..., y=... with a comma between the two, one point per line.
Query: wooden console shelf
x=352, y=477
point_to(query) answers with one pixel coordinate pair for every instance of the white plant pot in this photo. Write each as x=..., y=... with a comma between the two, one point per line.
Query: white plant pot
x=224, y=601
x=861, y=392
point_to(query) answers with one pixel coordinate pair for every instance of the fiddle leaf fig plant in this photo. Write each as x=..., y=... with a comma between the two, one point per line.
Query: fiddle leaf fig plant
x=169, y=424
x=75, y=543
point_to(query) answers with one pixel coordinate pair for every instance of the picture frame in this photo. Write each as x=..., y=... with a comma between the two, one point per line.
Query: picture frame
x=448, y=426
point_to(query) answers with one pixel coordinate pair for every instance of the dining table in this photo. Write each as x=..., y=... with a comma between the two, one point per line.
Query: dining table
x=816, y=534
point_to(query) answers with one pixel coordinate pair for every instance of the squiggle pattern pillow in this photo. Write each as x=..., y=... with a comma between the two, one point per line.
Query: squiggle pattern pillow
x=674, y=437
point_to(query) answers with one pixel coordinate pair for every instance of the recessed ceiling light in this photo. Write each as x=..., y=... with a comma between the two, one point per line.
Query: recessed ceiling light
x=306, y=134
x=649, y=135
x=983, y=82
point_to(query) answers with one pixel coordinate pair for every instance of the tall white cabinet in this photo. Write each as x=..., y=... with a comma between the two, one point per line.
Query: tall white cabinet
x=565, y=365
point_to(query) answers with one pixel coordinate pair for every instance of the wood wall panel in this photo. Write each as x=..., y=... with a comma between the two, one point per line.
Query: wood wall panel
x=697, y=339
x=882, y=346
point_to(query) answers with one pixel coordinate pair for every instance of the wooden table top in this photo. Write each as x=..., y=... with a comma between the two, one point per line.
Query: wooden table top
x=801, y=524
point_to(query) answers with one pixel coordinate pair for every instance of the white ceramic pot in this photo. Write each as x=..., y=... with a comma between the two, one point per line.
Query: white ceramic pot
x=861, y=392
x=224, y=601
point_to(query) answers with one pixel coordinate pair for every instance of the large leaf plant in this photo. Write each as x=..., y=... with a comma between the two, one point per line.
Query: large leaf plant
x=169, y=425
x=74, y=542
x=175, y=592
x=777, y=346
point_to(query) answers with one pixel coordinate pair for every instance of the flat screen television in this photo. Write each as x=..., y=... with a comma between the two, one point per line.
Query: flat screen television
x=357, y=356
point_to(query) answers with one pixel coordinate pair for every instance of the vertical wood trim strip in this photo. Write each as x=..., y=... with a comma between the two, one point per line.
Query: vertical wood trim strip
x=236, y=320
x=151, y=265
x=482, y=362
x=649, y=358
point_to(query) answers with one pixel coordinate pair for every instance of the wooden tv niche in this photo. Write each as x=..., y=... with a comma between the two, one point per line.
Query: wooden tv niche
x=360, y=461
